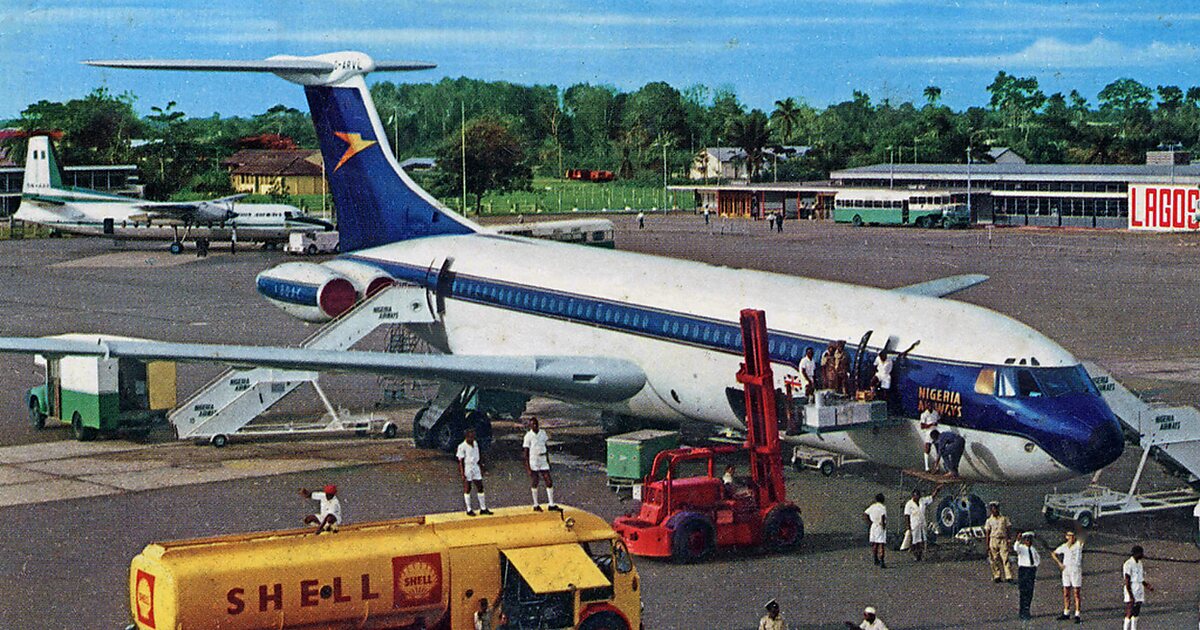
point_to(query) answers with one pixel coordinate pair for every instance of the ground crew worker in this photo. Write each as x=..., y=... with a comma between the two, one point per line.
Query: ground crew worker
x=828, y=375
x=773, y=620
x=330, y=514
x=485, y=617
x=883, y=374
x=876, y=515
x=871, y=621
x=706, y=216
x=470, y=468
x=537, y=464
x=918, y=525
x=950, y=447
x=1027, y=564
x=998, y=530
x=808, y=373
x=641, y=218
x=841, y=368
x=1071, y=565
x=929, y=423
x=1134, y=574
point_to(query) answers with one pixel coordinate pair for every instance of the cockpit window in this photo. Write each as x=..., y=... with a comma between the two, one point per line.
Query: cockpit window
x=1033, y=382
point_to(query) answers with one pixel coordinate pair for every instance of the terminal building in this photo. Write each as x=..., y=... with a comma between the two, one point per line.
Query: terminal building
x=1006, y=192
x=118, y=179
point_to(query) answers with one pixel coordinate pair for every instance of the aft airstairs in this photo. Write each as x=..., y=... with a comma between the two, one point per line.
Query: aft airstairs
x=228, y=404
x=1168, y=434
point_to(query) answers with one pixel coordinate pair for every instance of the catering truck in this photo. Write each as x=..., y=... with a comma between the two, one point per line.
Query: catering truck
x=548, y=570
x=97, y=395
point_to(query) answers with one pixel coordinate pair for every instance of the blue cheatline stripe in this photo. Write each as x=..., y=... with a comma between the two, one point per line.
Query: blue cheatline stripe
x=301, y=293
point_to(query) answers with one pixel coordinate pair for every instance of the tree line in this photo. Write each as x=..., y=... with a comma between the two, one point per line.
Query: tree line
x=514, y=132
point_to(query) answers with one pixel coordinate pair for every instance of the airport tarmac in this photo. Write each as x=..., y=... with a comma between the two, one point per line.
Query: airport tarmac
x=1124, y=301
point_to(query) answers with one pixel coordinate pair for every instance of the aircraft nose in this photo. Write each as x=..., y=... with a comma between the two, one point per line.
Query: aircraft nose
x=1099, y=441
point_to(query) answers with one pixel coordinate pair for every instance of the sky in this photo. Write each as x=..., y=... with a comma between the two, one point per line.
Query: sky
x=817, y=50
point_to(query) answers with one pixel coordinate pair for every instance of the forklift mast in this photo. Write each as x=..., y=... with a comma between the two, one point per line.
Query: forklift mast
x=762, y=422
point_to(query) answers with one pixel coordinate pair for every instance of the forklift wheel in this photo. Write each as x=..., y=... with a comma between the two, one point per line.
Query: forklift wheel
x=783, y=529
x=36, y=417
x=692, y=541
x=219, y=440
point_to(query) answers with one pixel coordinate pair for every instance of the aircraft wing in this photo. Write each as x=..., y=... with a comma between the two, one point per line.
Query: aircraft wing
x=586, y=379
x=206, y=210
x=943, y=286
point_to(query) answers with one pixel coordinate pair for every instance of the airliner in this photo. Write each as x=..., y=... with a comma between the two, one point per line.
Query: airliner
x=46, y=201
x=636, y=335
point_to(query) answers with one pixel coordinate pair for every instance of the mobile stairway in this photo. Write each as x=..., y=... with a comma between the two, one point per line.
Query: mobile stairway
x=1168, y=434
x=229, y=403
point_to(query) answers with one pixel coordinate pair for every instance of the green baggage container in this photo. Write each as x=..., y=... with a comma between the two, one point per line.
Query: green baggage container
x=631, y=455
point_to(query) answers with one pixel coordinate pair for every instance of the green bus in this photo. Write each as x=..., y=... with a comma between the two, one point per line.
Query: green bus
x=920, y=208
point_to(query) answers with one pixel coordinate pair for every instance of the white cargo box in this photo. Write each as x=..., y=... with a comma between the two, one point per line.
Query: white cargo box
x=844, y=415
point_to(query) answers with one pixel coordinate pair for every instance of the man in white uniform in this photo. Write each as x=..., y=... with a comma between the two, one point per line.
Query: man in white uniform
x=537, y=464
x=1071, y=564
x=929, y=422
x=876, y=515
x=808, y=373
x=470, y=468
x=871, y=621
x=918, y=525
x=1134, y=574
x=883, y=374
x=330, y=515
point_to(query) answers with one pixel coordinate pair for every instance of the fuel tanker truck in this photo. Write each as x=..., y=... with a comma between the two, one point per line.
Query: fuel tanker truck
x=547, y=570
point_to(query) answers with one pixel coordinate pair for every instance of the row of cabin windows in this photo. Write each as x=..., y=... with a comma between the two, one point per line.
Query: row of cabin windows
x=869, y=203
x=678, y=327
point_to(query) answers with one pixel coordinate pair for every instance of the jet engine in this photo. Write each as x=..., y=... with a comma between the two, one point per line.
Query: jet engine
x=309, y=291
x=367, y=280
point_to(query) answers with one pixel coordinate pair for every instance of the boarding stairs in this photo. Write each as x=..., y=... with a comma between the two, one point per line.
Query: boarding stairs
x=1168, y=434
x=230, y=402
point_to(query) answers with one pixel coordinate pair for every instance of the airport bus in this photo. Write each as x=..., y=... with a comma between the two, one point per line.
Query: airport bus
x=921, y=208
x=595, y=232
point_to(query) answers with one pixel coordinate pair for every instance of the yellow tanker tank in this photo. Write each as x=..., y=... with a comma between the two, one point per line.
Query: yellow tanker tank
x=549, y=570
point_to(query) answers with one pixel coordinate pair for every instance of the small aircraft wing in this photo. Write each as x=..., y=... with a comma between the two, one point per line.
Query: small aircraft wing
x=206, y=210
x=579, y=378
x=943, y=286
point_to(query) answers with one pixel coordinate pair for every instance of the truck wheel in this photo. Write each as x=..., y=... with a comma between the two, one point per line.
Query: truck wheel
x=311, y=250
x=922, y=222
x=389, y=430
x=828, y=468
x=784, y=529
x=857, y=221
x=604, y=620
x=219, y=440
x=422, y=436
x=82, y=433
x=692, y=541
x=1085, y=519
x=36, y=417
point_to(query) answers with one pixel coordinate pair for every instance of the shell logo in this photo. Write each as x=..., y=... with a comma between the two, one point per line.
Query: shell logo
x=144, y=596
x=416, y=580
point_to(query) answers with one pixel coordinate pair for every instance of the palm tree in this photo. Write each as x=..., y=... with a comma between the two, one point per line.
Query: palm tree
x=933, y=94
x=751, y=134
x=787, y=114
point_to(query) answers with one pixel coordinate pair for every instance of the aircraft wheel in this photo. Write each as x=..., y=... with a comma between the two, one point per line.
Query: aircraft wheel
x=36, y=417
x=783, y=529
x=482, y=424
x=448, y=432
x=176, y=248
x=422, y=436
x=82, y=433
x=857, y=221
x=692, y=541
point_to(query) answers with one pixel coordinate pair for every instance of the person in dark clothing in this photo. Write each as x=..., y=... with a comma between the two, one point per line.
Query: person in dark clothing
x=1028, y=560
x=950, y=447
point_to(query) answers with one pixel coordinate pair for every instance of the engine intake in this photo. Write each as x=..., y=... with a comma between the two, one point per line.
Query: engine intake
x=308, y=291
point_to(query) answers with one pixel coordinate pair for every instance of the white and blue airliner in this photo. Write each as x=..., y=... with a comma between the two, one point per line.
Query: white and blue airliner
x=645, y=336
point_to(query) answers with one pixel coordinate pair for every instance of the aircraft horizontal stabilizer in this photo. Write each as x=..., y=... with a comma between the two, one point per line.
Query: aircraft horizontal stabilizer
x=943, y=286
x=279, y=65
x=574, y=378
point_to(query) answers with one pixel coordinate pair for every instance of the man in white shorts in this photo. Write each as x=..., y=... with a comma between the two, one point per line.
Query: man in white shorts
x=1134, y=575
x=929, y=422
x=1069, y=558
x=876, y=515
x=537, y=464
x=470, y=468
x=330, y=514
x=918, y=524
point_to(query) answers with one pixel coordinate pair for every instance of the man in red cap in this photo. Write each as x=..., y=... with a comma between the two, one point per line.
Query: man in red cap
x=330, y=516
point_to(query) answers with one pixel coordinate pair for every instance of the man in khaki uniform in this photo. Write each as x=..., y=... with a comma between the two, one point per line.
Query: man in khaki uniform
x=999, y=534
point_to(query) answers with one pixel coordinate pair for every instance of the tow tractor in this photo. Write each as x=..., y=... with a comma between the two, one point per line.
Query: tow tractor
x=687, y=517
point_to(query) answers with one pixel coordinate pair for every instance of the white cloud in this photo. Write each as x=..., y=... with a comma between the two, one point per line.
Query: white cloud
x=1050, y=52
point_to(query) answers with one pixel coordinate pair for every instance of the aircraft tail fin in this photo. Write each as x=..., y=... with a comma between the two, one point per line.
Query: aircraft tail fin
x=377, y=202
x=42, y=170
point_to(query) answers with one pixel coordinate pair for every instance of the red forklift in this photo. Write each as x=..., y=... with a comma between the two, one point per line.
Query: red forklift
x=688, y=511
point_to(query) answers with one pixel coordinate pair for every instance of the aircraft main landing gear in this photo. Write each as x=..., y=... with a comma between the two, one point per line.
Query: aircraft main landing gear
x=442, y=424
